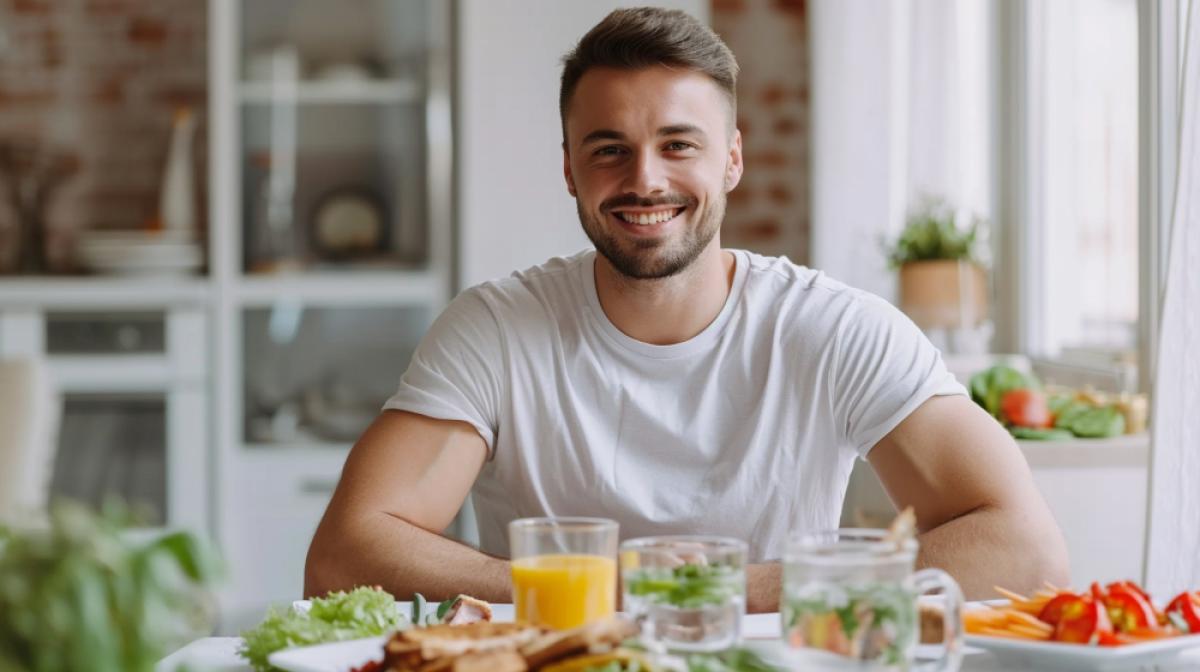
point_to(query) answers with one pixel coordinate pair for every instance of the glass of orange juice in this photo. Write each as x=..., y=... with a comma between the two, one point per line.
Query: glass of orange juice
x=564, y=570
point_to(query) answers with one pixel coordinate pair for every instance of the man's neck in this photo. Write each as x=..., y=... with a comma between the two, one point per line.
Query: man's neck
x=668, y=310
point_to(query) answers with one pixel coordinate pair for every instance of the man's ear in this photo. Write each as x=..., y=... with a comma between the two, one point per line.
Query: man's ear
x=567, y=170
x=734, y=166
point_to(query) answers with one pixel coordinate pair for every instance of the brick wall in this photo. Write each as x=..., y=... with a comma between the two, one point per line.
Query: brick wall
x=101, y=78
x=769, y=211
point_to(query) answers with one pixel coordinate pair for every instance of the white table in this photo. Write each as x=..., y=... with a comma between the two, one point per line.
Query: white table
x=219, y=654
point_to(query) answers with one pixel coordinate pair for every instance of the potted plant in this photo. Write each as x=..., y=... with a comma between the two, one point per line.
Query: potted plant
x=78, y=592
x=943, y=284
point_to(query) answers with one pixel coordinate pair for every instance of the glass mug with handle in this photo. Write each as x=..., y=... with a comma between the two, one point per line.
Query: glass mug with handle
x=564, y=570
x=850, y=599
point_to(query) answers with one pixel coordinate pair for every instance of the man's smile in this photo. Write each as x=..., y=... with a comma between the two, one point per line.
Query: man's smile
x=647, y=221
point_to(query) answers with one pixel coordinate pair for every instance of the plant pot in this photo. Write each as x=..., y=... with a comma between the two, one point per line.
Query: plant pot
x=944, y=294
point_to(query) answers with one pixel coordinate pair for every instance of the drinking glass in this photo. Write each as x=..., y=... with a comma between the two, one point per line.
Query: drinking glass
x=687, y=593
x=564, y=570
x=850, y=600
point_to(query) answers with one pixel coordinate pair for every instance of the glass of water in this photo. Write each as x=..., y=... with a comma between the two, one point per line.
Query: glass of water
x=687, y=593
x=850, y=602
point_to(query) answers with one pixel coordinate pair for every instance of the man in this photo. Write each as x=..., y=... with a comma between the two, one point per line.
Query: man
x=665, y=382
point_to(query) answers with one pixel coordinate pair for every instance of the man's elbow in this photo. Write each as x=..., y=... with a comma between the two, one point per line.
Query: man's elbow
x=319, y=572
x=1044, y=551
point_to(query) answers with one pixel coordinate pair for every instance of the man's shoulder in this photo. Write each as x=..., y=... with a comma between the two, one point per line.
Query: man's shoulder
x=545, y=288
x=783, y=279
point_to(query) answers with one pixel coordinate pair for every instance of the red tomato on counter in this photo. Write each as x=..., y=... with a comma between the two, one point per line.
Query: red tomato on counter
x=1187, y=607
x=1026, y=408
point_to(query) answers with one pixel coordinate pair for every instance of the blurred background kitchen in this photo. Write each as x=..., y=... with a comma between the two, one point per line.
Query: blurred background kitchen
x=225, y=225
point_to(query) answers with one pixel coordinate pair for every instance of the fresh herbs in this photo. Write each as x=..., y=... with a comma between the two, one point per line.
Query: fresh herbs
x=81, y=594
x=362, y=612
x=876, y=621
x=686, y=586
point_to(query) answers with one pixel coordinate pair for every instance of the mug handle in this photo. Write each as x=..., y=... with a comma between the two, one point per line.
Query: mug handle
x=928, y=580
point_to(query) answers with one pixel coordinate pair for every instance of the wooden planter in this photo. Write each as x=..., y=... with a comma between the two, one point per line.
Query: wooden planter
x=944, y=294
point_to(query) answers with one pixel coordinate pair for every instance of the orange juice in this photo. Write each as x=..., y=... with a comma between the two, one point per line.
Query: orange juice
x=564, y=591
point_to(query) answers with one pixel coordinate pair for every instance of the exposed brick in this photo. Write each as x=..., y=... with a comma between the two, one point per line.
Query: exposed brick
x=779, y=193
x=785, y=126
x=147, y=32
x=763, y=229
x=793, y=8
x=741, y=195
x=771, y=158
x=772, y=95
x=35, y=7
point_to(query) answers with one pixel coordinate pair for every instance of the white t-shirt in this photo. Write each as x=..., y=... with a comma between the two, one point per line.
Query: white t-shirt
x=748, y=430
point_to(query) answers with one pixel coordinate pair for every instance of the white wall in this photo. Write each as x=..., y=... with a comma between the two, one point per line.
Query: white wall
x=856, y=128
x=513, y=208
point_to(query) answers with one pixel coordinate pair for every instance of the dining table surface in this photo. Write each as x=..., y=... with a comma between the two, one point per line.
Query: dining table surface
x=219, y=654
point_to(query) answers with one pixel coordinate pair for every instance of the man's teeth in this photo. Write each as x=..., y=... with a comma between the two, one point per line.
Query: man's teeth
x=647, y=217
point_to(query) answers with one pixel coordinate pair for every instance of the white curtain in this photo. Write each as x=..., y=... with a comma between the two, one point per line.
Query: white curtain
x=1173, y=561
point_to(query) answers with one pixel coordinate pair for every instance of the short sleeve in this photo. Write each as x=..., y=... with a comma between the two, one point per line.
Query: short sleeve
x=884, y=369
x=455, y=372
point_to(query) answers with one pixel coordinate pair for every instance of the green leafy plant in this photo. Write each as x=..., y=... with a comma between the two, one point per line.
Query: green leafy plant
x=80, y=594
x=362, y=612
x=932, y=232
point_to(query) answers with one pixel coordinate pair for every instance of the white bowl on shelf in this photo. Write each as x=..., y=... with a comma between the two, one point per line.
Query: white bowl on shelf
x=140, y=252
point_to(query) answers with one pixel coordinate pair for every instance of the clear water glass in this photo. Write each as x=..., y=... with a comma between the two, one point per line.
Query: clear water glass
x=850, y=602
x=687, y=593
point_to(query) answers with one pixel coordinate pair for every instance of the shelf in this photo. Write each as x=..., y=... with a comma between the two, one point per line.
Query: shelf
x=1128, y=450
x=112, y=373
x=106, y=291
x=342, y=288
x=327, y=93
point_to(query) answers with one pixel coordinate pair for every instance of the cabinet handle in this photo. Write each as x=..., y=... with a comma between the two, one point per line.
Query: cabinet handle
x=317, y=486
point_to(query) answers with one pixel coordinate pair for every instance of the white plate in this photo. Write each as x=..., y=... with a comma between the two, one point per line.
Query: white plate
x=1027, y=655
x=344, y=656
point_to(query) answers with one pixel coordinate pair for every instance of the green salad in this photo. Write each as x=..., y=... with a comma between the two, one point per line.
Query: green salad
x=686, y=586
x=362, y=612
x=871, y=622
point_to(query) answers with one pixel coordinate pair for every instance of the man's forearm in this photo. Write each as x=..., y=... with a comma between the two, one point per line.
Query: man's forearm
x=996, y=547
x=763, y=583
x=403, y=559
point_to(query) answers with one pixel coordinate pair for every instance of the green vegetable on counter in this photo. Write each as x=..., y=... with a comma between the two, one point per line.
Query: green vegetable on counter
x=1035, y=434
x=988, y=387
x=362, y=612
x=1092, y=422
x=687, y=586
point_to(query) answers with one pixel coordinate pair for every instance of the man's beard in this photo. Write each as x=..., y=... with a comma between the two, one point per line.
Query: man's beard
x=647, y=260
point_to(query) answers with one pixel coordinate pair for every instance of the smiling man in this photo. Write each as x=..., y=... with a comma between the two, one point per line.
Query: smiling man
x=668, y=383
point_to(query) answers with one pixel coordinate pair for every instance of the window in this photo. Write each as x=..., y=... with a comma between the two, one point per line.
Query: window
x=1080, y=308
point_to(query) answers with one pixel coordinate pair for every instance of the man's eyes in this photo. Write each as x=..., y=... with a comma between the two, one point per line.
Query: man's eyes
x=615, y=150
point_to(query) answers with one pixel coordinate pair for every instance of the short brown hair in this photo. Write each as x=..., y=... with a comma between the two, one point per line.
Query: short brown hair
x=641, y=37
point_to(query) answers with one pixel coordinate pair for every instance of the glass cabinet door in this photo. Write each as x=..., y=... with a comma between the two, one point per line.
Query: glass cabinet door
x=334, y=134
x=319, y=375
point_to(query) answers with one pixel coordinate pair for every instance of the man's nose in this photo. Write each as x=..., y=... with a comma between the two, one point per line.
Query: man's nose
x=647, y=175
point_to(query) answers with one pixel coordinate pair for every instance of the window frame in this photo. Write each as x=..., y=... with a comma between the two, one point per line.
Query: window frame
x=1019, y=261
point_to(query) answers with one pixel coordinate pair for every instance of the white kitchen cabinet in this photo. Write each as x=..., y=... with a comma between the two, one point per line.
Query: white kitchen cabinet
x=332, y=252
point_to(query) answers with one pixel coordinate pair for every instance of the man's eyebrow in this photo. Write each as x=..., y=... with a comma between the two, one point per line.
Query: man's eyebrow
x=674, y=129
x=681, y=129
x=602, y=134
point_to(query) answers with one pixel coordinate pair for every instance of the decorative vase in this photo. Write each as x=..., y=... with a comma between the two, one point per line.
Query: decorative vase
x=177, y=199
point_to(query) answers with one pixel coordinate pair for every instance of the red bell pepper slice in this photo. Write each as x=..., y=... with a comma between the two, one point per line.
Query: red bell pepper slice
x=1187, y=606
x=1084, y=620
x=1052, y=612
x=1127, y=609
